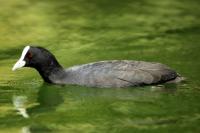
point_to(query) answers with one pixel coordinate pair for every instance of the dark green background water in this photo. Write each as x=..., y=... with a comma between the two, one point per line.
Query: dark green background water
x=83, y=31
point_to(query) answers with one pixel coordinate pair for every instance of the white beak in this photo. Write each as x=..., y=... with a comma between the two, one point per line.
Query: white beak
x=20, y=63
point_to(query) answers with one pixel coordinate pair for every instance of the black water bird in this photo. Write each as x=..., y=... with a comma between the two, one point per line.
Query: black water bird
x=103, y=74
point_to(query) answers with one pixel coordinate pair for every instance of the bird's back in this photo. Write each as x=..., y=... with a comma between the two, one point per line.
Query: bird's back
x=119, y=73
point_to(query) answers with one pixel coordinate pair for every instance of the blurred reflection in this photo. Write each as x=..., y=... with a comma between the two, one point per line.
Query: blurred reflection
x=35, y=129
x=20, y=103
x=26, y=129
x=49, y=97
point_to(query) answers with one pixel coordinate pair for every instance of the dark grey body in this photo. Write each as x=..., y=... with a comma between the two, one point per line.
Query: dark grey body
x=115, y=73
x=103, y=74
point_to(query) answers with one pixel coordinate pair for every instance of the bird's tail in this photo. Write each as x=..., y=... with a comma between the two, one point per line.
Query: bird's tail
x=178, y=79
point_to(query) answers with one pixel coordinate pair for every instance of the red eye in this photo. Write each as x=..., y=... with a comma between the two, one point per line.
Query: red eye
x=29, y=55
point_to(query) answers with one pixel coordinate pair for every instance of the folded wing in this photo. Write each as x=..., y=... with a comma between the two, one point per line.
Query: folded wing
x=120, y=73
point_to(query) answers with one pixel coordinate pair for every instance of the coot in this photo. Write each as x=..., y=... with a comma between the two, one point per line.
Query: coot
x=103, y=74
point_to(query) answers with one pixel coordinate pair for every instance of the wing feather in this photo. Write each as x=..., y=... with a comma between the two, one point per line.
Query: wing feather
x=120, y=73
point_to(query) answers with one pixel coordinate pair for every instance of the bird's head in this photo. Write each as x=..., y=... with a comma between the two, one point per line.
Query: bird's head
x=36, y=57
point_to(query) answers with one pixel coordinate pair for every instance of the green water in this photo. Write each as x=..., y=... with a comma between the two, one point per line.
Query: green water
x=83, y=31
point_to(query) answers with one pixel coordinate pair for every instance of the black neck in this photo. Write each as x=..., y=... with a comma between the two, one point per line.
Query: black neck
x=50, y=72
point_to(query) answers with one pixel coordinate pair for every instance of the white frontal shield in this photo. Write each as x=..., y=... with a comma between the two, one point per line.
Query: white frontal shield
x=20, y=63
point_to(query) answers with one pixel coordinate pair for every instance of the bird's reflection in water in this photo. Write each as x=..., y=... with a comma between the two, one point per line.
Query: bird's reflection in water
x=26, y=129
x=49, y=97
x=20, y=104
x=35, y=129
